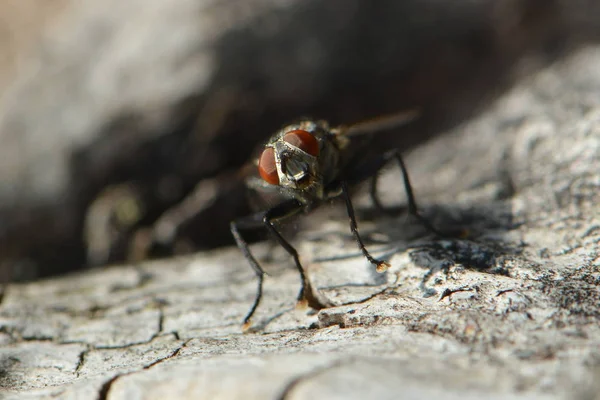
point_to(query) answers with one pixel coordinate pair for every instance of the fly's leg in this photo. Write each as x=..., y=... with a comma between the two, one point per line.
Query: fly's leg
x=373, y=193
x=266, y=219
x=307, y=295
x=380, y=265
x=249, y=223
x=412, y=204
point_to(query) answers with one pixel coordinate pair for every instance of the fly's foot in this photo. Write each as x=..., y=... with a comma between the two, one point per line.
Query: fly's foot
x=302, y=304
x=382, y=266
x=312, y=298
x=246, y=326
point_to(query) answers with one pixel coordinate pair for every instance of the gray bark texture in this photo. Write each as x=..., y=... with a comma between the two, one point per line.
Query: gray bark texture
x=509, y=309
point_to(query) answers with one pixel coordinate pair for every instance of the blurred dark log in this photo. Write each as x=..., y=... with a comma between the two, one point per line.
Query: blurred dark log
x=159, y=96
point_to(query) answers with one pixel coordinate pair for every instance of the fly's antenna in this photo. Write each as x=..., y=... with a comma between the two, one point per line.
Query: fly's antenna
x=380, y=123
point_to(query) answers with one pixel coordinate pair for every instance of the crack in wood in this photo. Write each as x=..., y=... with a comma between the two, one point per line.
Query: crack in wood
x=81, y=360
x=106, y=386
x=294, y=383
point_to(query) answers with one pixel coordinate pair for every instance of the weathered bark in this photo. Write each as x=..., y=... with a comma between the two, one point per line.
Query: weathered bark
x=510, y=311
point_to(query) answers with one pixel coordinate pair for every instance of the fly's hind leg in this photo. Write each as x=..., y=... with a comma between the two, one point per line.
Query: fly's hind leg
x=372, y=168
x=412, y=203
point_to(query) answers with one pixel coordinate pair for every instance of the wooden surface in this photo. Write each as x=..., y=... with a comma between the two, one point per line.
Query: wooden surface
x=511, y=311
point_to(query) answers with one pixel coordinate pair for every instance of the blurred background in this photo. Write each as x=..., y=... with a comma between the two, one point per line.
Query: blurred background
x=124, y=125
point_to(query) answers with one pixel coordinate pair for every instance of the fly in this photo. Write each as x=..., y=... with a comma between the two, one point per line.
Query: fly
x=308, y=163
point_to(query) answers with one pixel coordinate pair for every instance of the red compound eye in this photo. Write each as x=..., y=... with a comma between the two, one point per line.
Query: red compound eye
x=267, y=167
x=303, y=140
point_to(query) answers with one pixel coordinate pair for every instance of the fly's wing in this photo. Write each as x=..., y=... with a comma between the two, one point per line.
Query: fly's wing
x=379, y=124
x=357, y=137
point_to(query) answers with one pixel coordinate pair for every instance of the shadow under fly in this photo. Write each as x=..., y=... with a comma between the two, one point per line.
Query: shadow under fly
x=305, y=164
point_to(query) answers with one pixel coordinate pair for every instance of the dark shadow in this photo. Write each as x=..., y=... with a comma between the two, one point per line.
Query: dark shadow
x=7, y=364
x=475, y=238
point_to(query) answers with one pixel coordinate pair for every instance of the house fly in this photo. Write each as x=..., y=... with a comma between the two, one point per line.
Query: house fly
x=307, y=163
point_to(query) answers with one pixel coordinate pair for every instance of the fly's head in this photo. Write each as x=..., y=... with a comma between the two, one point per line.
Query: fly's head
x=298, y=159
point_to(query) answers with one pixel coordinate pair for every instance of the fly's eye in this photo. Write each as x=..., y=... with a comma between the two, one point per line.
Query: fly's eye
x=303, y=140
x=267, y=167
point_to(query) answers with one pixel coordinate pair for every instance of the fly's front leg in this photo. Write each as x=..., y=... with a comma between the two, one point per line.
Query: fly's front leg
x=307, y=295
x=266, y=219
x=251, y=222
x=380, y=265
